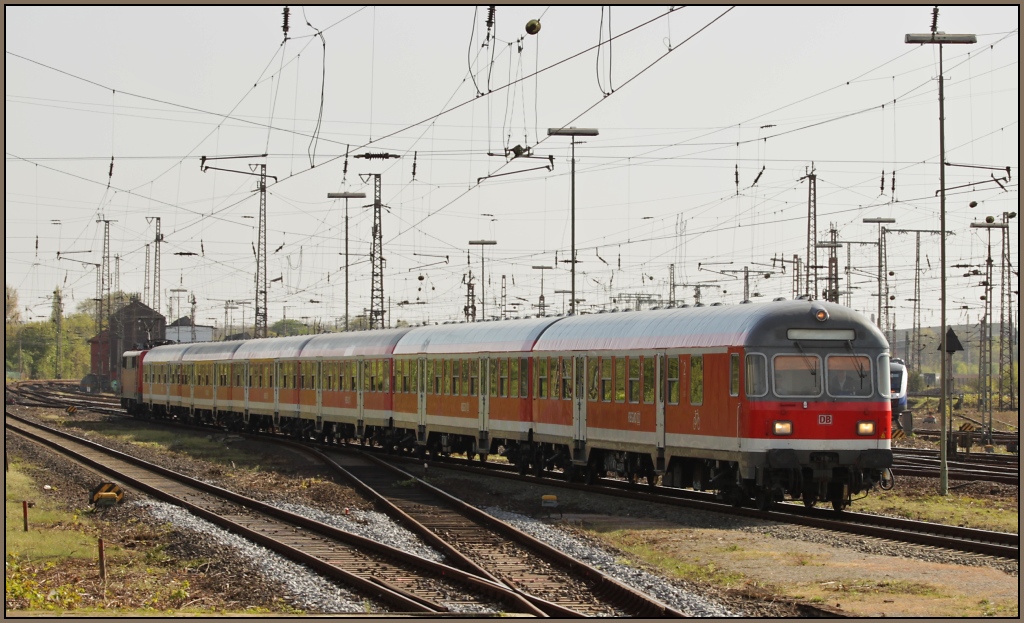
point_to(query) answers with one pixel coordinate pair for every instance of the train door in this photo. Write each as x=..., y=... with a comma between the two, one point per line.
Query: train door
x=735, y=406
x=659, y=400
x=190, y=395
x=421, y=400
x=483, y=442
x=361, y=370
x=318, y=383
x=579, y=409
x=277, y=384
x=245, y=387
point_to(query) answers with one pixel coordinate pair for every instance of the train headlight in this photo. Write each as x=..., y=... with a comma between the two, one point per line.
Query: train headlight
x=782, y=427
x=865, y=428
x=821, y=315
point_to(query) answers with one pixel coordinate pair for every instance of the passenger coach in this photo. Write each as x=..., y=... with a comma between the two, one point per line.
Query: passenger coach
x=767, y=400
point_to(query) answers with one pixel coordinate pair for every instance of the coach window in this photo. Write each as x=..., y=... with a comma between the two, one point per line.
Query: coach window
x=634, y=379
x=696, y=379
x=513, y=377
x=606, y=379
x=648, y=366
x=593, y=379
x=502, y=365
x=555, y=377
x=673, y=379
x=734, y=374
x=385, y=375
x=541, y=386
x=849, y=375
x=474, y=374
x=620, y=379
x=566, y=378
x=492, y=368
x=524, y=377
x=797, y=375
x=756, y=375
x=414, y=374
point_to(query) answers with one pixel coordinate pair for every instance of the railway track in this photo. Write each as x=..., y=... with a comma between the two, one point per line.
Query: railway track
x=954, y=538
x=479, y=543
x=399, y=580
x=999, y=544
x=1004, y=469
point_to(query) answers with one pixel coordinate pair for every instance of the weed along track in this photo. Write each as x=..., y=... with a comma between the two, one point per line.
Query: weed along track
x=393, y=579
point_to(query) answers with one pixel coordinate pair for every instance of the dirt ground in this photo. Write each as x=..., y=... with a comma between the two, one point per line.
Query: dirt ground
x=860, y=584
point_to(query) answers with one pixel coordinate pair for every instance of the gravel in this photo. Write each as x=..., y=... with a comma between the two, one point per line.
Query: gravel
x=369, y=524
x=303, y=588
x=687, y=602
x=308, y=591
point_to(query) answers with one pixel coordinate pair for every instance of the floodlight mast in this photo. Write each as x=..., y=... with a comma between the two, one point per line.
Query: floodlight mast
x=346, y=196
x=939, y=38
x=573, y=133
x=483, y=301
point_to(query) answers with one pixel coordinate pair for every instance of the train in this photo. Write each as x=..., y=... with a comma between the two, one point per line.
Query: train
x=898, y=380
x=754, y=402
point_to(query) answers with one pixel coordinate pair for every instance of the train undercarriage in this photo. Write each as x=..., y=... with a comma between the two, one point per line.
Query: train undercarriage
x=824, y=477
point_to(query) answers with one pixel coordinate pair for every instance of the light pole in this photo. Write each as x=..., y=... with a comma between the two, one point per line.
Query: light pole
x=543, y=307
x=879, y=221
x=573, y=133
x=483, y=302
x=986, y=336
x=563, y=293
x=939, y=38
x=242, y=304
x=346, y=196
x=177, y=301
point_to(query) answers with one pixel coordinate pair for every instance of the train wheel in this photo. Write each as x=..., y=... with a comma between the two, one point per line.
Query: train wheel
x=591, y=475
x=838, y=505
x=763, y=499
x=538, y=466
x=521, y=467
x=569, y=473
x=482, y=457
x=810, y=500
x=652, y=478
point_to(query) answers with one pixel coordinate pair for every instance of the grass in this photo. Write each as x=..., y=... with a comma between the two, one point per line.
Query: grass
x=639, y=546
x=953, y=509
x=53, y=534
x=894, y=587
x=196, y=445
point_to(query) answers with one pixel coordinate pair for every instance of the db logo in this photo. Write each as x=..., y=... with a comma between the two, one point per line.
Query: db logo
x=824, y=419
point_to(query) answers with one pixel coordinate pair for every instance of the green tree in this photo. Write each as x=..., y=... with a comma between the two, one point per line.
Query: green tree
x=11, y=313
x=289, y=326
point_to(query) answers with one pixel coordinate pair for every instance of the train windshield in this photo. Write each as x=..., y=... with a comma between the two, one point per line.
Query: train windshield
x=895, y=379
x=797, y=375
x=849, y=375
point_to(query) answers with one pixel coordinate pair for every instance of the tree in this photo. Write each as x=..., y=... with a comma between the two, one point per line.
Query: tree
x=289, y=326
x=11, y=313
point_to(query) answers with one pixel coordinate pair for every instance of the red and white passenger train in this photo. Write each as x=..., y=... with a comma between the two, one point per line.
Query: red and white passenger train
x=753, y=401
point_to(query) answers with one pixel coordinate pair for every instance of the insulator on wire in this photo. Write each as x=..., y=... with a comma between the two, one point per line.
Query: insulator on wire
x=490, y=15
x=892, y=189
x=414, y=155
x=935, y=19
x=284, y=26
x=881, y=184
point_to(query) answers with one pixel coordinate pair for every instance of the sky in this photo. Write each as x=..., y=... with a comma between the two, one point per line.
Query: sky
x=709, y=118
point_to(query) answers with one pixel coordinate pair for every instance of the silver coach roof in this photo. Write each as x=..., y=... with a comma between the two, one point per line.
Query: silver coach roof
x=210, y=351
x=354, y=343
x=163, y=354
x=272, y=347
x=764, y=324
x=507, y=336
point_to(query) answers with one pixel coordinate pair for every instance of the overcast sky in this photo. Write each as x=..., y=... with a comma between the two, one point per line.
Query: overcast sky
x=685, y=101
